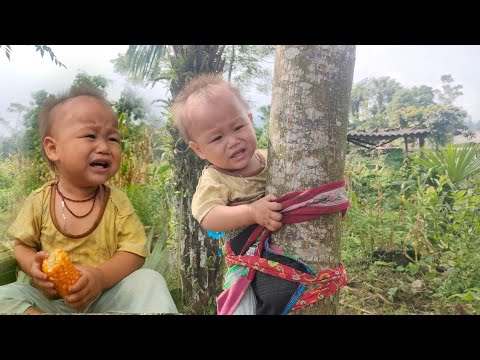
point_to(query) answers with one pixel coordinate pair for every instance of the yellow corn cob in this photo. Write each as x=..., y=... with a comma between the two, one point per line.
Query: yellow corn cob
x=60, y=270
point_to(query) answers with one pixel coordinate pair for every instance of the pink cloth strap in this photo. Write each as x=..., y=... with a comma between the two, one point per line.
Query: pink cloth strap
x=298, y=206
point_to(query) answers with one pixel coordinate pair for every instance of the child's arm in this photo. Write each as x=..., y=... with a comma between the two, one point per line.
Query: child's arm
x=30, y=261
x=264, y=211
x=94, y=281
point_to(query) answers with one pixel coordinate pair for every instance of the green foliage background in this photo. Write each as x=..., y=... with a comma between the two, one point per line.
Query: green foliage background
x=424, y=210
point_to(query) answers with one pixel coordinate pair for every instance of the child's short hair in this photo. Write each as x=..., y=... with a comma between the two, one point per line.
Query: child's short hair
x=44, y=120
x=207, y=86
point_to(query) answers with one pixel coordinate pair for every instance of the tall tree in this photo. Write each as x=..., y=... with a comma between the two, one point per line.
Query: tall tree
x=443, y=120
x=243, y=64
x=200, y=266
x=417, y=96
x=383, y=89
x=369, y=101
x=97, y=81
x=31, y=140
x=407, y=105
x=449, y=92
x=308, y=132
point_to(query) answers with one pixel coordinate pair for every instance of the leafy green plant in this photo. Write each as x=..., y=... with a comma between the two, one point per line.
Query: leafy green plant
x=457, y=162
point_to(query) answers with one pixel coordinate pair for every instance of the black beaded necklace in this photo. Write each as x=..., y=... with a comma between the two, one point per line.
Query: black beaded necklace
x=64, y=204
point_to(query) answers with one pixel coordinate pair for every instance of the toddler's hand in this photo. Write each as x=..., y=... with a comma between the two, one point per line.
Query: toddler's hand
x=266, y=212
x=86, y=289
x=39, y=278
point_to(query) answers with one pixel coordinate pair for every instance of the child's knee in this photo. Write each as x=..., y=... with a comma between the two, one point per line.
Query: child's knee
x=145, y=278
x=14, y=291
x=16, y=298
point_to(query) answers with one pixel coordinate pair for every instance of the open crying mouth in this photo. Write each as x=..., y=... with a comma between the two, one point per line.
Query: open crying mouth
x=99, y=164
x=237, y=153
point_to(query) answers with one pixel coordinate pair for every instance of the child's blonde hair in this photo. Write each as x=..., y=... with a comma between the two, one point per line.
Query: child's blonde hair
x=207, y=87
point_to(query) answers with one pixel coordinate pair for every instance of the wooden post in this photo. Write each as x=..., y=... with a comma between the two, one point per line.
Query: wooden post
x=421, y=144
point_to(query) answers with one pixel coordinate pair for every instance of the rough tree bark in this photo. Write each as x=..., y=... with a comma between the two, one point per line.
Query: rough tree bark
x=308, y=132
x=200, y=267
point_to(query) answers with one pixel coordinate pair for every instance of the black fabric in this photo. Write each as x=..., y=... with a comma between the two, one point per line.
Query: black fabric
x=273, y=293
x=240, y=240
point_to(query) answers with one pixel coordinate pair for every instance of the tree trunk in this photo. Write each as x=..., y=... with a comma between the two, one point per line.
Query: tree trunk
x=308, y=133
x=200, y=266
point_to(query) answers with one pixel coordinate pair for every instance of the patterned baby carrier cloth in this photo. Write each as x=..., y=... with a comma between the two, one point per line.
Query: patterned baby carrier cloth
x=278, y=279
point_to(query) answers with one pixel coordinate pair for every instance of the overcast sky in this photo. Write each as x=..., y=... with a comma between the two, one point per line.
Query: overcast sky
x=414, y=65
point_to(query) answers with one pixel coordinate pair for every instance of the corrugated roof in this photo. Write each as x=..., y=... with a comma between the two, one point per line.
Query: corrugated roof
x=386, y=133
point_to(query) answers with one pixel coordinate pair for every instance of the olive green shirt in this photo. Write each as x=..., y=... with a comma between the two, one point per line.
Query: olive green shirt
x=216, y=188
x=119, y=229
